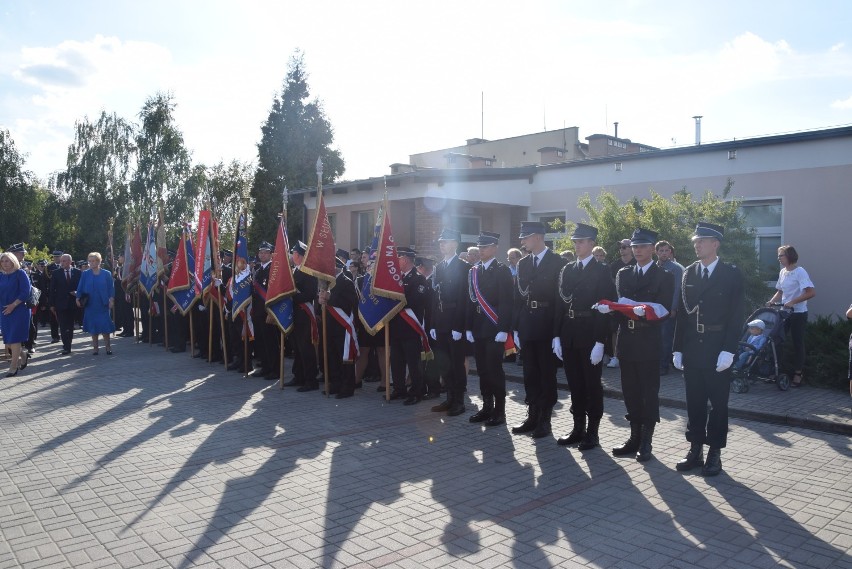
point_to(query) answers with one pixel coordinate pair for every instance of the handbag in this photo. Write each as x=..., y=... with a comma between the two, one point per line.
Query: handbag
x=35, y=294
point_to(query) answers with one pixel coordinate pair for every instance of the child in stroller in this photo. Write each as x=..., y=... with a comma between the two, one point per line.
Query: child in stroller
x=759, y=351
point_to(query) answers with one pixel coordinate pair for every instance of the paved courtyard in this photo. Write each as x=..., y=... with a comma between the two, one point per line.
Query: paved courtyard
x=150, y=459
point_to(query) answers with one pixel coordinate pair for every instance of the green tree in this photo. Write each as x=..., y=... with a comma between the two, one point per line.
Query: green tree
x=294, y=135
x=95, y=185
x=226, y=187
x=21, y=196
x=163, y=165
x=675, y=220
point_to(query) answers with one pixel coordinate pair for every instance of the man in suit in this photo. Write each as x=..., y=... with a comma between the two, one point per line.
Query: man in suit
x=706, y=335
x=639, y=340
x=63, y=290
x=54, y=323
x=489, y=323
x=448, y=313
x=305, y=335
x=579, y=335
x=342, y=303
x=534, y=305
x=407, y=334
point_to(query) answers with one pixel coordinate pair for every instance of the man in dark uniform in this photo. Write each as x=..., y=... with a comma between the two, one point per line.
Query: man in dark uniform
x=342, y=303
x=639, y=340
x=54, y=323
x=489, y=323
x=41, y=280
x=580, y=334
x=63, y=289
x=305, y=334
x=447, y=326
x=266, y=335
x=407, y=333
x=431, y=375
x=706, y=335
x=535, y=301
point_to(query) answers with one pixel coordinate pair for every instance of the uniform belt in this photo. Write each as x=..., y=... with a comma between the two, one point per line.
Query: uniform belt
x=633, y=324
x=701, y=328
x=443, y=305
x=580, y=313
x=537, y=304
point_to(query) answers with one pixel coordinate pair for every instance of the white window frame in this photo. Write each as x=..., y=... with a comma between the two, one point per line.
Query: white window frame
x=466, y=237
x=553, y=236
x=769, y=230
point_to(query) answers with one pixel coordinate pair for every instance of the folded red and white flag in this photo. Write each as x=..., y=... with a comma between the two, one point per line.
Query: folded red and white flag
x=653, y=310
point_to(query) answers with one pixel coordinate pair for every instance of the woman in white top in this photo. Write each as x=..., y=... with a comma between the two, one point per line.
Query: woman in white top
x=794, y=288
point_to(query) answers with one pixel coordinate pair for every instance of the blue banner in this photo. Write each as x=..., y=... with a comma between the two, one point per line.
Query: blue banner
x=375, y=311
x=184, y=299
x=282, y=311
x=148, y=269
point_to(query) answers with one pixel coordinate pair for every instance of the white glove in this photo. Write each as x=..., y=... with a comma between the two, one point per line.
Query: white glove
x=724, y=361
x=501, y=337
x=468, y=336
x=639, y=310
x=602, y=308
x=517, y=339
x=456, y=336
x=202, y=308
x=556, y=346
x=433, y=334
x=217, y=282
x=597, y=354
x=677, y=360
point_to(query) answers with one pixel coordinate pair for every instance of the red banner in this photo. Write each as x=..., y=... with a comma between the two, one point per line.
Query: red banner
x=387, y=277
x=180, y=279
x=319, y=258
x=281, y=283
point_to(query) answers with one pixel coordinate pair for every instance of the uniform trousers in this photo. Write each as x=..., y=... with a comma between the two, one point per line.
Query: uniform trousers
x=489, y=364
x=703, y=385
x=304, y=357
x=539, y=372
x=341, y=375
x=450, y=355
x=584, y=381
x=66, y=325
x=405, y=354
x=640, y=383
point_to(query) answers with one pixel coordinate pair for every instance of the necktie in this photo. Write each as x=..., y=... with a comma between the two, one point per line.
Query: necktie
x=706, y=275
x=580, y=266
x=535, y=262
x=67, y=276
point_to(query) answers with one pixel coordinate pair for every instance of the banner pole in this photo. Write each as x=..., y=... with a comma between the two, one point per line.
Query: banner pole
x=387, y=363
x=325, y=350
x=165, y=321
x=209, y=329
x=245, y=345
x=191, y=335
x=281, y=362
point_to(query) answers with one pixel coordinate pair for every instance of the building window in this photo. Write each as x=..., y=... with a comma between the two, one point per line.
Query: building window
x=332, y=221
x=618, y=166
x=555, y=224
x=766, y=218
x=468, y=225
x=732, y=154
x=366, y=226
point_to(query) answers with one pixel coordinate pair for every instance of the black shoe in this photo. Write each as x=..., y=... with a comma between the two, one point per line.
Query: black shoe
x=713, y=464
x=380, y=389
x=94, y=353
x=429, y=396
x=331, y=391
x=575, y=436
x=495, y=420
x=591, y=440
x=442, y=407
x=24, y=365
x=177, y=350
x=644, y=454
x=631, y=445
x=54, y=341
x=271, y=377
x=694, y=459
x=343, y=395
x=236, y=366
x=292, y=383
x=397, y=395
x=306, y=388
x=65, y=352
x=529, y=424
x=126, y=335
x=372, y=379
x=455, y=409
x=200, y=355
x=481, y=416
x=109, y=352
x=12, y=373
x=412, y=400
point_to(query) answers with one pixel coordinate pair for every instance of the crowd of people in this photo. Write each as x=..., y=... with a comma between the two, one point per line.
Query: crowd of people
x=572, y=310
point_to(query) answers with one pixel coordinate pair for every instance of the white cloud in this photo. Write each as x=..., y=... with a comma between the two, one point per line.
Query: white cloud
x=846, y=104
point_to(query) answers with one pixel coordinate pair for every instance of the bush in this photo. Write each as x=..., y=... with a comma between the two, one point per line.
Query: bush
x=827, y=352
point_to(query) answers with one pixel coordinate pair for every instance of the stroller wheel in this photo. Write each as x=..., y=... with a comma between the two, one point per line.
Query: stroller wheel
x=783, y=382
x=739, y=385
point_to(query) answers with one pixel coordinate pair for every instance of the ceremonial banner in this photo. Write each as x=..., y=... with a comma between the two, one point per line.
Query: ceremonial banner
x=653, y=310
x=375, y=310
x=204, y=251
x=319, y=258
x=279, y=305
x=162, y=251
x=241, y=282
x=386, y=274
x=136, y=249
x=181, y=286
x=126, y=269
x=214, y=292
x=148, y=267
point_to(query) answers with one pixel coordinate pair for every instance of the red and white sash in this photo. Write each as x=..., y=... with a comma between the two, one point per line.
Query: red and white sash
x=409, y=318
x=308, y=308
x=350, y=342
x=509, y=347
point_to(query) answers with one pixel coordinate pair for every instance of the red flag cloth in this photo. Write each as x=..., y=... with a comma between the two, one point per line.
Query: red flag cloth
x=281, y=283
x=134, y=264
x=180, y=278
x=653, y=310
x=204, y=253
x=319, y=258
x=386, y=279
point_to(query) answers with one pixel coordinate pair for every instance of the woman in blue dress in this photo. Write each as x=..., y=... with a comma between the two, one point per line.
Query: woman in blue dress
x=96, y=287
x=15, y=316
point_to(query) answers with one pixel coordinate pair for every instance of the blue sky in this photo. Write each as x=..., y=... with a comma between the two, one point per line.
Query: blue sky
x=397, y=78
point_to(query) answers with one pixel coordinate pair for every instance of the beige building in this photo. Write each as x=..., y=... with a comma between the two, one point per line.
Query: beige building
x=795, y=188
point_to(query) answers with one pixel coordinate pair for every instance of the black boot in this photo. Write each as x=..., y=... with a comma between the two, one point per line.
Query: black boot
x=542, y=428
x=485, y=413
x=644, y=454
x=577, y=433
x=631, y=445
x=713, y=465
x=591, y=439
x=694, y=458
x=529, y=424
x=498, y=416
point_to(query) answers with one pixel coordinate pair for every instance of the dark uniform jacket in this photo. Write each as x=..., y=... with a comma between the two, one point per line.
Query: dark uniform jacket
x=62, y=294
x=343, y=296
x=640, y=341
x=258, y=301
x=719, y=312
x=307, y=286
x=497, y=287
x=536, y=296
x=575, y=322
x=450, y=298
x=416, y=296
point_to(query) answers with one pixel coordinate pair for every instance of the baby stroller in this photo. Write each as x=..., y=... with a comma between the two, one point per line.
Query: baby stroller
x=763, y=365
